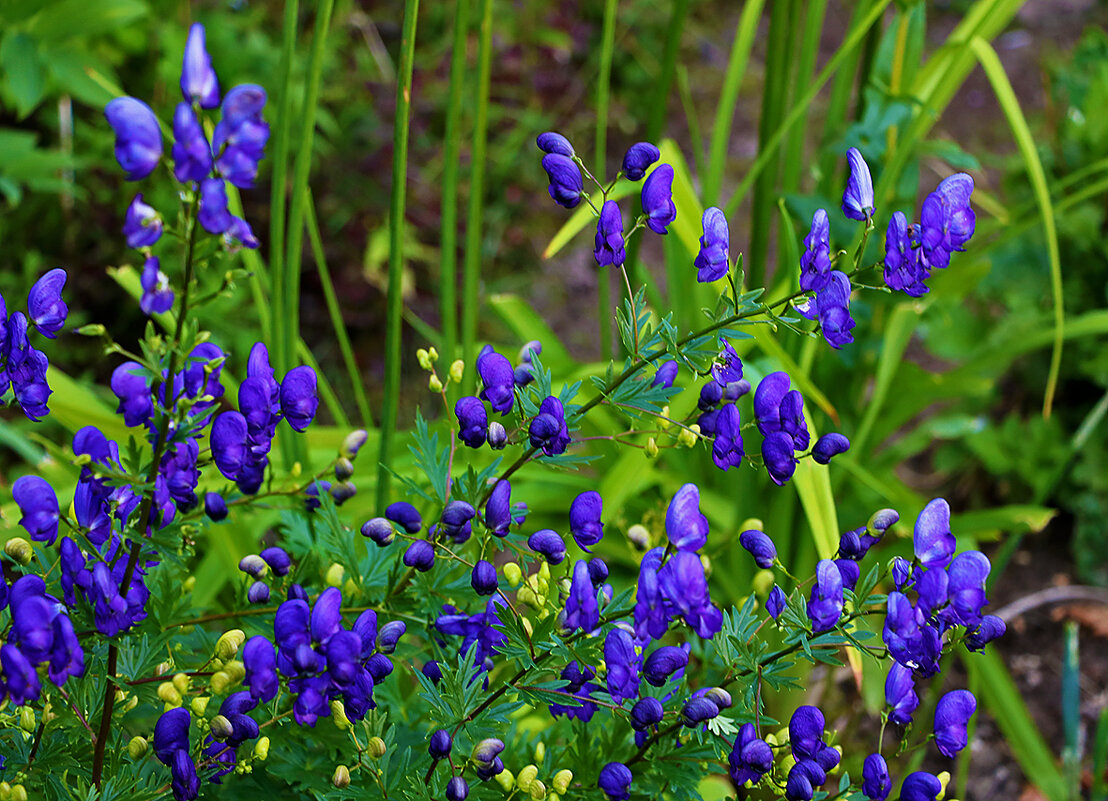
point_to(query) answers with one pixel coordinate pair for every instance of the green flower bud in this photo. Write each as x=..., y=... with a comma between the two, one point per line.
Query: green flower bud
x=221, y=728
x=338, y=715
x=639, y=536
x=261, y=749
x=19, y=550
x=944, y=780
x=687, y=438
x=168, y=693
x=92, y=330
x=334, y=575
x=432, y=354
x=424, y=359
x=538, y=790
x=189, y=585
x=138, y=747
x=763, y=583
x=26, y=718
x=561, y=781
x=651, y=447
x=457, y=370
x=512, y=574
x=434, y=384
x=376, y=747
x=506, y=780
x=19, y=792
x=5, y=791
x=341, y=777
x=199, y=705
x=707, y=562
x=526, y=776
x=181, y=682
x=540, y=751
x=751, y=523
x=227, y=646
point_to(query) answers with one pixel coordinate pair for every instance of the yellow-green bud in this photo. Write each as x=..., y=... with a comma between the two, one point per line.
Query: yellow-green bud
x=341, y=777
x=199, y=705
x=228, y=644
x=5, y=791
x=132, y=702
x=19, y=792
x=168, y=693
x=190, y=584
x=92, y=330
x=944, y=780
x=334, y=576
x=261, y=749
x=530, y=631
x=26, y=718
x=526, y=775
x=544, y=570
x=236, y=670
x=457, y=371
x=506, y=780
x=664, y=420
x=639, y=536
x=537, y=790
x=424, y=358
x=561, y=781
x=687, y=438
x=221, y=728
x=181, y=682
x=434, y=384
x=220, y=682
x=138, y=747
x=433, y=354
x=763, y=582
x=651, y=447
x=751, y=523
x=540, y=751
x=19, y=550
x=376, y=747
x=527, y=596
x=338, y=715
x=512, y=574
x=704, y=560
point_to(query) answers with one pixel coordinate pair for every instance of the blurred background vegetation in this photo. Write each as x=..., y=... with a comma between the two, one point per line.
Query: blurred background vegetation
x=991, y=390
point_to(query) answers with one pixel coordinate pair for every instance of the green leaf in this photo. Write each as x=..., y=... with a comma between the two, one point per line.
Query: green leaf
x=85, y=18
x=22, y=67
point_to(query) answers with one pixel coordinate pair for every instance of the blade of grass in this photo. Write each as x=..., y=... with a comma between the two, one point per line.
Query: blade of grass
x=728, y=97
x=449, y=251
x=471, y=268
x=603, y=88
x=391, y=405
x=898, y=331
x=1025, y=141
x=806, y=66
x=326, y=391
x=259, y=278
x=696, y=138
x=332, y=301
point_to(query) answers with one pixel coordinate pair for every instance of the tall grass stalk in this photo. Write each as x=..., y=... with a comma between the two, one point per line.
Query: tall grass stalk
x=449, y=229
x=603, y=81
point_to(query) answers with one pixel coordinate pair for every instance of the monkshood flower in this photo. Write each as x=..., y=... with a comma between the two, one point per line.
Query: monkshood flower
x=920, y=786
x=420, y=556
x=138, y=139
x=710, y=396
x=775, y=603
x=548, y=543
x=910, y=641
x=665, y=375
x=240, y=137
x=858, y=203
x=904, y=269
x=26, y=369
x=260, y=662
x=498, y=509
x=548, y=429
x=728, y=367
x=663, y=663
x=440, y=745
x=404, y=515
x=760, y=546
x=615, y=780
x=826, y=603
x=952, y=713
x=657, y=199
x=686, y=526
x=213, y=214
x=157, y=297
x=457, y=789
x=831, y=308
x=684, y=588
x=932, y=540
x=551, y=142
x=478, y=630
x=582, y=610
x=751, y=758
x=192, y=155
x=483, y=578
x=45, y=307
x=497, y=380
x=850, y=572
x=876, y=783
x=777, y=454
x=646, y=712
x=277, y=559
x=946, y=220
x=637, y=160
x=608, y=249
x=584, y=519
x=623, y=665
x=565, y=179
x=198, y=80
x=815, y=261
x=987, y=630
x=473, y=421
x=727, y=447
x=698, y=710
x=379, y=530
x=580, y=685
x=39, y=504
x=900, y=694
x=21, y=681
x=829, y=446
x=142, y=225
x=456, y=521
x=712, y=262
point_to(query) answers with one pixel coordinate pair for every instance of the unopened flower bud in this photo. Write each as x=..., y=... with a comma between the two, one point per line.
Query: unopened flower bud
x=253, y=565
x=506, y=780
x=138, y=747
x=261, y=749
x=424, y=359
x=881, y=521
x=190, y=584
x=228, y=644
x=27, y=719
x=763, y=582
x=561, y=781
x=5, y=791
x=497, y=436
x=341, y=777
x=221, y=728
x=338, y=715
x=132, y=702
x=537, y=790
x=751, y=523
x=526, y=776
x=168, y=693
x=199, y=705
x=379, y=530
x=376, y=747
x=19, y=550
x=720, y=697
x=434, y=384
x=181, y=681
x=344, y=468
x=651, y=447
x=540, y=751
x=527, y=596
x=457, y=371
x=343, y=492
x=334, y=575
x=19, y=792
x=527, y=626
x=353, y=443
x=433, y=354
x=220, y=682
x=512, y=574
x=687, y=438
x=944, y=780
x=639, y=536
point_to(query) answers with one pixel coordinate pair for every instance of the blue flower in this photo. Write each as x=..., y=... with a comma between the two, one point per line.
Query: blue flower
x=440, y=745
x=497, y=380
x=727, y=448
x=910, y=641
x=904, y=269
x=712, y=262
x=142, y=225
x=828, y=446
x=665, y=375
x=39, y=504
x=900, y=694
x=45, y=306
x=157, y=297
x=777, y=454
x=876, y=783
x=565, y=179
x=198, y=80
x=608, y=249
x=498, y=509
x=751, y=758
x=473, y=421
x=405, y=515
x=760, y=546
x=728, y=367
x=831, y=307
x=622, y=663
x=213, y=214
x=986, y=631
x=663, y=663
x=550, y=544
x=241, y=135
x=646, y=712
x=946, y=220
x=260, y=662
x=483, y=578
x=551, y=142
x=637, y=160
x=826, y=603
x=697, y=710
x=584, y=519
x=27, y=370
x=657, y=199
x=457, y=789
x=932, y=540
x=686, y=526
x=920, y=786
x=258, y=593
x=815, y=261
x=710, y=396
x=192, y=155
x=548, y=429
x=952, y=713
x=775, y=603
x=138, y=139
x=684, y=590
x=457, y=520
x=299, y=400
x=858, y=201
x=615, y=780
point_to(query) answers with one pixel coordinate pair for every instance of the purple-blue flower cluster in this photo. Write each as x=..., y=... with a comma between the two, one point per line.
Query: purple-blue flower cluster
x=23, y=367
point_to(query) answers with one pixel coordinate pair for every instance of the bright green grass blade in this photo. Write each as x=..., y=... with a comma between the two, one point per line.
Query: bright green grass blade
x=603, y=284
x=526, y=324
x=728, y=97
x=1006, y=96
x=898, y=331
x=794, y=161
x=448, y=258
x=259, y=278
x=1001, y=697
x=395, y=302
